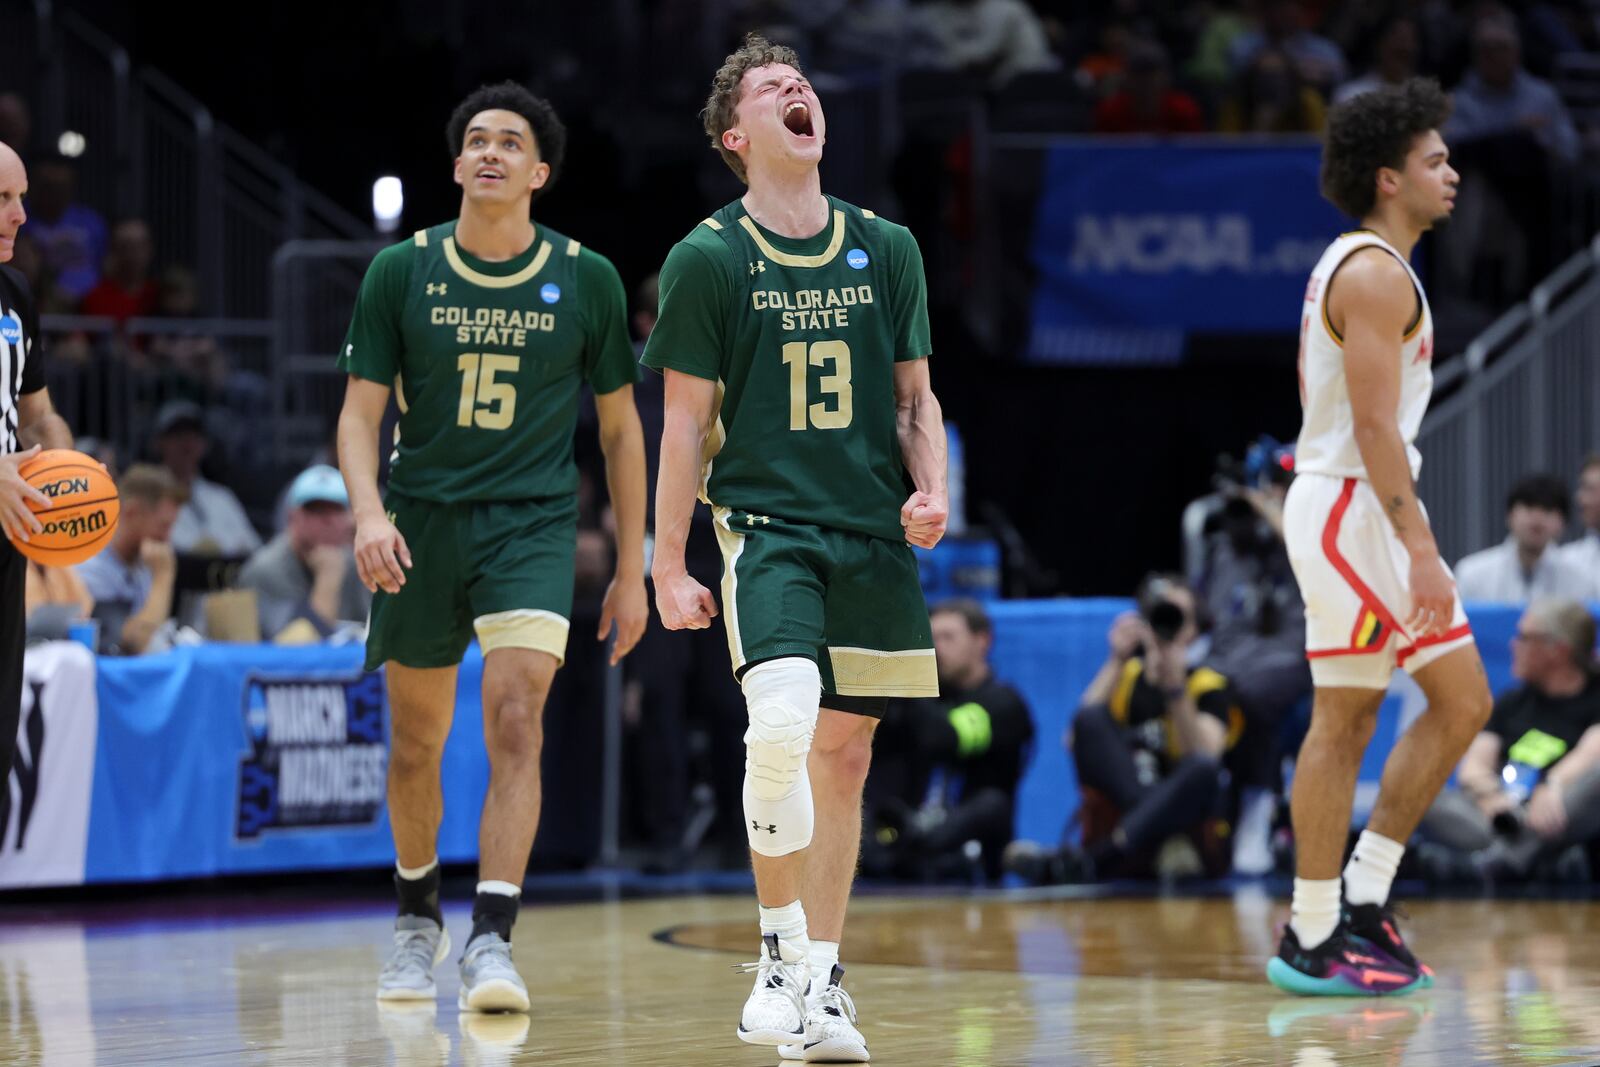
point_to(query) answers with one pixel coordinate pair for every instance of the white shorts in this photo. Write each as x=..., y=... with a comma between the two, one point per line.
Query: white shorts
x=1355, y=575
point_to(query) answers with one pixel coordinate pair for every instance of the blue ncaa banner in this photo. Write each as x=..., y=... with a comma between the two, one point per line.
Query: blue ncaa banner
x=1151, y=240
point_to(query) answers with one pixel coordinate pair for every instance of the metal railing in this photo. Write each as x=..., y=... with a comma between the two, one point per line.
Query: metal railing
x=216, y=202
x=109, y=382
x=1525, y=398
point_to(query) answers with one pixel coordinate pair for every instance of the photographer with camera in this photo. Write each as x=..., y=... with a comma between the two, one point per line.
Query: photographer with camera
x=1257, y=630
x=1529, y=785
x=1149, y=738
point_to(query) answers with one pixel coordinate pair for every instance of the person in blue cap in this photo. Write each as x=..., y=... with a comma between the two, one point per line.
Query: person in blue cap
x=308, y=571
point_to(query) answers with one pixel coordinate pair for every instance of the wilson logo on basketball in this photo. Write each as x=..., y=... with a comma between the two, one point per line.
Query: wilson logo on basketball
x=78, y=525
x=65, y=486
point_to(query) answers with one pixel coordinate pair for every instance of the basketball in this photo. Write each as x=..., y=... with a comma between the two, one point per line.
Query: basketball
x=85, y=512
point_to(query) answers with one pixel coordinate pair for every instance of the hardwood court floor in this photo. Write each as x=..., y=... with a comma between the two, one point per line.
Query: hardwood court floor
x=970, y=981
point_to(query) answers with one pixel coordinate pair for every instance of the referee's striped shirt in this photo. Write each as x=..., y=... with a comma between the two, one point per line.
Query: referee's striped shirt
x=21, y=366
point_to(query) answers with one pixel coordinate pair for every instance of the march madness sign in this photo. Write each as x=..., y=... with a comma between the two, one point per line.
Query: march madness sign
x=318, y=753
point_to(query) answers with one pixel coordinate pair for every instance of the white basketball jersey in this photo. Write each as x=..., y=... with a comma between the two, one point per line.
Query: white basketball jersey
x=1327, y=434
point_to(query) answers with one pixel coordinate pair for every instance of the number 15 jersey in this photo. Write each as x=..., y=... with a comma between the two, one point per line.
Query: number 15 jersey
x=801, y=337
x=487, y=361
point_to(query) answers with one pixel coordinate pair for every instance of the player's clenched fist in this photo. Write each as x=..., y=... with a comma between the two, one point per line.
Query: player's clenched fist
x=924, y=516
x=684, y=604
x=382, y=557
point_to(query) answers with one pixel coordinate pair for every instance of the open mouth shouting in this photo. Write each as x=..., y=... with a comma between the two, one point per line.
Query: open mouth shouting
x=797, y=119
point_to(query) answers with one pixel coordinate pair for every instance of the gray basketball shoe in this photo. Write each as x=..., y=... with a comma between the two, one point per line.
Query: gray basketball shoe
x=489, y=980
x=419, y=946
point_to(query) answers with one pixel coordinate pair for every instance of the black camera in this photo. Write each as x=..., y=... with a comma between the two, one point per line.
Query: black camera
x=1165, y=616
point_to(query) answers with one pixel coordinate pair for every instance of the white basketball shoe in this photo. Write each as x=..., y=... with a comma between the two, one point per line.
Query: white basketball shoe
x=775, y=1012
x=831, y=1034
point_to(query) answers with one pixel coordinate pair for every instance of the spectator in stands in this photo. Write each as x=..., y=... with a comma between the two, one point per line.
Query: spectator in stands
x=1529, y=786
x=1217, y=26
x=1498, y=96
x=1148, y=742
x=1524, y=566
x=192, y=355
x=1316, y=60
x=71, y=236
x=1399, y=46
x=1101, y=69
x=1584, y=553
x=212, y=522
x=1272, y=98
x=994, y=39
x=949, y=766
x=132, y=579
x=126, y=289
x=307, y=573
x=1147, y=102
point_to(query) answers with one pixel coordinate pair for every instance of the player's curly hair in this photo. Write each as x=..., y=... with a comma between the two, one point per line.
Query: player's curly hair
x=718, y=116
x=548, y=131
x=1374, y=130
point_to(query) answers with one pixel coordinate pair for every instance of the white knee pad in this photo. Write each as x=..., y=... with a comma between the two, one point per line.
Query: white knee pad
x=782, y=696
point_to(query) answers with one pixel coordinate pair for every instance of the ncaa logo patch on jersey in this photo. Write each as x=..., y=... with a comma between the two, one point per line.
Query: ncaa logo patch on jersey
x=550, y=293
x=857, y=258
x=10, y=329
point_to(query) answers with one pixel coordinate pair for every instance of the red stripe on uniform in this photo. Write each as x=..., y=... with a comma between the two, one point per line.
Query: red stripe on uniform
x=1330, y=548
x=1464, y=630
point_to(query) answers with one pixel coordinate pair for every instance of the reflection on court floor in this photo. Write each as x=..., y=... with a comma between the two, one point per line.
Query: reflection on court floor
x=983, y=981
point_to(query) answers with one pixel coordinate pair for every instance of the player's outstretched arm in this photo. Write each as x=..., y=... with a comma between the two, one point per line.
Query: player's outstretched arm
x=381, y=553
x=919, y=422
x=1377, y=301
x=622, y=442
x=683, y=603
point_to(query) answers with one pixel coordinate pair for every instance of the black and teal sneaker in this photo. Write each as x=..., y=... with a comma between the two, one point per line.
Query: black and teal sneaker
x=1375, y=926
x=1339, y=967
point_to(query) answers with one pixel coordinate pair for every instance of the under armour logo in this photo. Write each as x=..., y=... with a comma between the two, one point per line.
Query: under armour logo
x=437, y=290
x=773, y=829
x=751, y=520
x=758, y=266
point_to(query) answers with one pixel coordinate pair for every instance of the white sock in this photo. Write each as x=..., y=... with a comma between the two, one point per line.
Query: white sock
x=1315, y=911
x=505, y=889
x=411, y=874
x=789, y=923
x=1370, y=872
x=824, y=954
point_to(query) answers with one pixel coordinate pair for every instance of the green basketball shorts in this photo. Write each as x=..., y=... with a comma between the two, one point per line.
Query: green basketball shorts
x=850, y=602
x=502, y=569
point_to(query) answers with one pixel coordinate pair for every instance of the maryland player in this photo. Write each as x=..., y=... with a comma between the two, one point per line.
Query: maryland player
x=1377, y=594
x=485, y=328
x=793, y=334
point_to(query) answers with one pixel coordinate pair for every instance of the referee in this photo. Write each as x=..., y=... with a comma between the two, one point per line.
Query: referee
x=27, y=422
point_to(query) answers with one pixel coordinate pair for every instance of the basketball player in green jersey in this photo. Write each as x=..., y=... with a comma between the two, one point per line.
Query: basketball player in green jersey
x=793, y=333
x=485, y=328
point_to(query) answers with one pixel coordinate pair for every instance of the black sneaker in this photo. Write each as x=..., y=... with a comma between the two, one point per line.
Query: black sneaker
x=1376, y=926
x=1339, y=967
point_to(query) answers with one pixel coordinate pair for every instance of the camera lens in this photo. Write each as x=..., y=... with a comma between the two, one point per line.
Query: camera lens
x=1165, y=618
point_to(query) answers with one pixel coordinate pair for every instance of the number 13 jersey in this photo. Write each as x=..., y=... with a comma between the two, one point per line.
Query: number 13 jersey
x=801, y=337
x=487, y=360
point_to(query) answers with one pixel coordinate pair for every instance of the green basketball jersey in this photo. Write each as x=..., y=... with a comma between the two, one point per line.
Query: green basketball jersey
x=801, y=337
x=487, y=360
